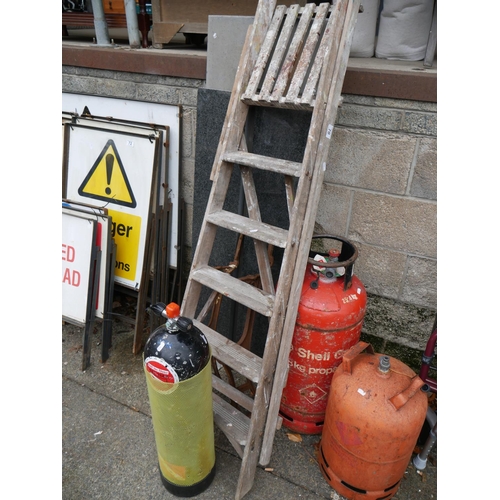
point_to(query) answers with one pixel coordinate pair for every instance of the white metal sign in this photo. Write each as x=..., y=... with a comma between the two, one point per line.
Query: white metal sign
x=161, y=115
x=103, y=242
x=116, y=169
x=78, y=257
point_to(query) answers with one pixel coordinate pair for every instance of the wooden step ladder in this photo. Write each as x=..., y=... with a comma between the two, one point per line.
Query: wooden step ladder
x=295, y=58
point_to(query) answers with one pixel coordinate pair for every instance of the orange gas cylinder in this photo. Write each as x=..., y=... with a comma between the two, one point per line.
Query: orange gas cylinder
x=374, y=416
x=329, y=321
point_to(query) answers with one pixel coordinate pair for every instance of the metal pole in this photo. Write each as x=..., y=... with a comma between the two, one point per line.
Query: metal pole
x=134, y=36
x=144, y=23
x=100, y=24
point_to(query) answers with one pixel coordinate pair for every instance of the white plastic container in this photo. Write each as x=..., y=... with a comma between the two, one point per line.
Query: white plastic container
x=404, y=29
x=363, y=40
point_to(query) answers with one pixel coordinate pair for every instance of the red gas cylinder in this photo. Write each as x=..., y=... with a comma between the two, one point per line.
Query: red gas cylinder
x=373, y=419
x=329, y=320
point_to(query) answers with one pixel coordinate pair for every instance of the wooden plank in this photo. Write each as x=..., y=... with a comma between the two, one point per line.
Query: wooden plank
x=254, y=229
x=231, y=354
x=300, y=106
x=162, y=33
x=288, y=67
x=232, y=393
x=235, y=289
x=306, y=57
x=309, y=92
x=265, y=52
x=231, y=422
x=279, y=51
x=277, y=165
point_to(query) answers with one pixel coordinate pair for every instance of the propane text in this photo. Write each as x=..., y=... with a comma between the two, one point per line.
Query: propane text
x=311, y=370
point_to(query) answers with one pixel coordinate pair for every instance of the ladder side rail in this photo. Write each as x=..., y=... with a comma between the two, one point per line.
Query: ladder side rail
x=308, y=227
x=209, y=304
x=263, y=392
x=237, y=111
x=290, y=193
x=252, y=202
x=263, y=262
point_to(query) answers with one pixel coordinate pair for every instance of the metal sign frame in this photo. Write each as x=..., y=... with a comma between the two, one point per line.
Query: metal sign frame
x=144, y=169
x=86, y=141
x=104, y=301
x=78, y=225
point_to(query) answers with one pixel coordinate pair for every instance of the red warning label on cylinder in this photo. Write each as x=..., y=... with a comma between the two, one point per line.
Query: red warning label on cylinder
x=161, y=370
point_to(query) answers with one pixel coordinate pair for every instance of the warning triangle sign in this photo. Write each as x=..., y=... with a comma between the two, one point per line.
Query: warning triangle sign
x=107, y=180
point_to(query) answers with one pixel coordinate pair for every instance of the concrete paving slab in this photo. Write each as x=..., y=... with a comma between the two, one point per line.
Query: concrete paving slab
x=108, y=447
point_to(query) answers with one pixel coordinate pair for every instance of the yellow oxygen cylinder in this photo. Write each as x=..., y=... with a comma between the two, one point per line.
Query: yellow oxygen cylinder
x=179, y=380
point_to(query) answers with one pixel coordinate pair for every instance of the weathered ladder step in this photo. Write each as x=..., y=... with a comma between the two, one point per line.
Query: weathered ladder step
x=235, y=289
x=277, y=165
x=289, y=64
x=231, y=421
x=231, y=354
x=234, y=423
x=249, y=227
x=232, y=392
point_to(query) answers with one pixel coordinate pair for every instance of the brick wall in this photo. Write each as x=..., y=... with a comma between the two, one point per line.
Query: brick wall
x=379, y=191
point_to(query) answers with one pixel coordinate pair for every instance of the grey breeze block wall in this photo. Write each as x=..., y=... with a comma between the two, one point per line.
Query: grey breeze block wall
x=380, y=191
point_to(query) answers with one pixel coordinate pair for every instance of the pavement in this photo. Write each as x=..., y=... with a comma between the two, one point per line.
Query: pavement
x=108, y=447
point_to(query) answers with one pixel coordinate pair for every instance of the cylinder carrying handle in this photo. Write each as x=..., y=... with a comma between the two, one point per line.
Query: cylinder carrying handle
x=354, y=352
x=399, y=400
x=348, y=255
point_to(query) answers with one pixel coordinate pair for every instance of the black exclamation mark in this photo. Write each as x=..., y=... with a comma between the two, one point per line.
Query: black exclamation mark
x=110, y=159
